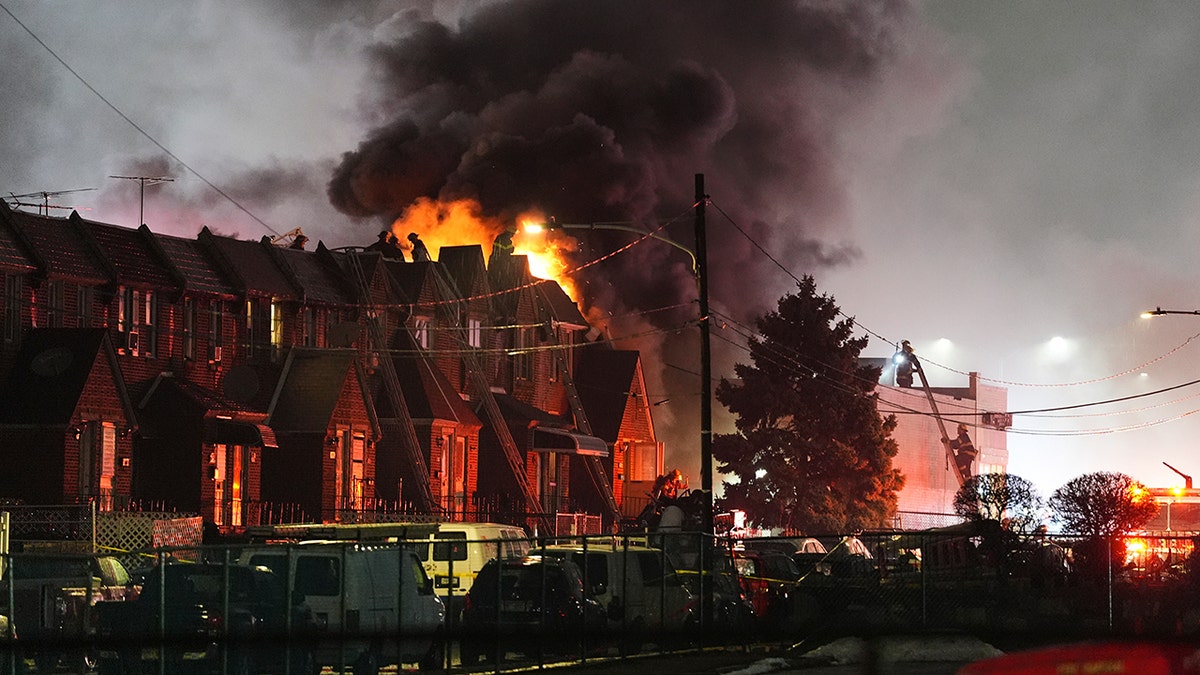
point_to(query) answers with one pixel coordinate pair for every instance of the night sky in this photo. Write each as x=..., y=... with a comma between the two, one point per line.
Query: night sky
x=1006, y=185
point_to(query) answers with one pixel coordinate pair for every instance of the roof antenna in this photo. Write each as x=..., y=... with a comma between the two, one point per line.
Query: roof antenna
x=142, y=181
x=43, y=209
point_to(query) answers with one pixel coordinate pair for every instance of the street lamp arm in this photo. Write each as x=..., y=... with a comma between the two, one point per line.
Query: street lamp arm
x=1159, y=311
x=623, y=227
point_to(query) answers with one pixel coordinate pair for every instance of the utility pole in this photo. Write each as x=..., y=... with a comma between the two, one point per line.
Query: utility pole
x=706, y=477
x=707, y=540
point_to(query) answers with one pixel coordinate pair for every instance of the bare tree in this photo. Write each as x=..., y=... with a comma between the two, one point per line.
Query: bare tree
x=996, y=496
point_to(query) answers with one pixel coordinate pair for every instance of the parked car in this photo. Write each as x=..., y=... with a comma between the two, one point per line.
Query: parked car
x=726, y=604
x=11, y=660
x=529, y=605
x=769, y=579
x=637, y=585
x=216, y=619
x=53, y=595
x=376, y=599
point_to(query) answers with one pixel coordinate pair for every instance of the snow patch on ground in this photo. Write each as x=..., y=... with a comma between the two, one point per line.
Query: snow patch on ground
x=763, y=666
x=914, y=649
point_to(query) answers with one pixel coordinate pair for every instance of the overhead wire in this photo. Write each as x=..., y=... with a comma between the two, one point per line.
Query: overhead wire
x=135, y=125
x=1031, y=412
x=925, y=361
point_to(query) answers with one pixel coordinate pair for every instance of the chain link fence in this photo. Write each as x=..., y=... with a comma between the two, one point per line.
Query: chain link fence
x=972, y=578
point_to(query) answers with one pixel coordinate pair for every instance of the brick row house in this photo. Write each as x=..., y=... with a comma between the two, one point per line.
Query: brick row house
x=251, y=382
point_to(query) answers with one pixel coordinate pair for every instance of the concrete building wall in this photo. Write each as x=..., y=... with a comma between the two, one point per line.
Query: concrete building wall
x=930, y=478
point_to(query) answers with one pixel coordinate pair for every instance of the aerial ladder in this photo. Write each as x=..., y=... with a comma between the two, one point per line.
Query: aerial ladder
x=595, y=468
x=391, y=384
x=481, y=390
x=906, y=364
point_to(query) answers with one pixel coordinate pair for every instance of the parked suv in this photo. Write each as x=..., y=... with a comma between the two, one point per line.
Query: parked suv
x=217, y=619
x=528, y=605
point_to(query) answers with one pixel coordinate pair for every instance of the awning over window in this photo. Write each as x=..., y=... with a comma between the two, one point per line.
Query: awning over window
x=233, y=432
x=547, y=439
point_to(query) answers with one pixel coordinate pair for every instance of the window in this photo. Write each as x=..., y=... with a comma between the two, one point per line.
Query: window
x=642, y=460
x=652, y=568
x=318, y=575
x=189, y=328
x=522, y=357
x=421, y=331
x=55, y=308
x=137, y=319
x=97, y=458
x=350, y=475
x=474, y=333
x=450, y=546
x=84, y=297
x=276, y=320
x=12, y=307
x=216, y=324
x=309, y=321
x=252, y=312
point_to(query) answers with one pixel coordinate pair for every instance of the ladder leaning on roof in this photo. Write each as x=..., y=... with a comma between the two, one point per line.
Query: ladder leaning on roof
x=920, y=372
x=391, y=383
x=482, y=390
x=595, y=468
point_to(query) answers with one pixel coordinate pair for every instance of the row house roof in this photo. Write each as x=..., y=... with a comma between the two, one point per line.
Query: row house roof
x=309, y=387
x=467, y=271
x=133, y=255
x=560, y=307
x=604, y=379
x=169, y=397
x=317, y=277
x=94, y=253
x=427, y=391
x=198, y=274
x=250, y=266
x=50, y=372
x=60, y=247
x=16, y=254
x=417, y=283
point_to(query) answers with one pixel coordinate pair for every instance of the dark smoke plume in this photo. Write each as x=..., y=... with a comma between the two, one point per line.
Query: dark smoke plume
x=604, y=111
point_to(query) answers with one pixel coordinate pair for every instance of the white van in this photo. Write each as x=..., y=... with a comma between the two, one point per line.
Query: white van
x=637, y=585
x=362, y=589
x=455, y=552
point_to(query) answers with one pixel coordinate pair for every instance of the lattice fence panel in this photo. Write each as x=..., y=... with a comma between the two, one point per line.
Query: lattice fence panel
x=128, y=535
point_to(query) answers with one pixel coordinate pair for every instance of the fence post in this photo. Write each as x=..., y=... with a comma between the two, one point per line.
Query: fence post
x=925, y=559
x=1108, y=566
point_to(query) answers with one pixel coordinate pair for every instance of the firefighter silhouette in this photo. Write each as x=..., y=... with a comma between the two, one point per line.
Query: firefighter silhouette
x=502, y=247
x=419, y=252
x=964, y=451
x=906, y=363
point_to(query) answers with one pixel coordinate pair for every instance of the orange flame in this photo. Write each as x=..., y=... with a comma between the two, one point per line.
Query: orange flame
x=461, y=223
x=548, y=251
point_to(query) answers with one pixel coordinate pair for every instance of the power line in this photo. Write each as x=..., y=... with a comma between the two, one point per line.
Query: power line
x=135, y=125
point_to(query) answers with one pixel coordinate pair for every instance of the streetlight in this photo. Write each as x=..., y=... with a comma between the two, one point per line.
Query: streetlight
x=1159, y=311
x=699, y=259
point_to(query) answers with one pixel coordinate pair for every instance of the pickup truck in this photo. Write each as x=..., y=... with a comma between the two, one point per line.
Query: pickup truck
x=206, y=618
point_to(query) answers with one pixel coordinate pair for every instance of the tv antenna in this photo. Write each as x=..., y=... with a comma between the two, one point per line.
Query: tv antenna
x=44, y=207
x=142, y=182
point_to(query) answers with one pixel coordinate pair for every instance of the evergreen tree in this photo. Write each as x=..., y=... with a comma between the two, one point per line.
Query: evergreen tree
x=811, y=451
